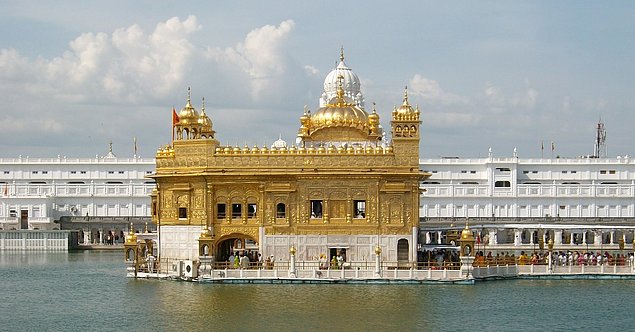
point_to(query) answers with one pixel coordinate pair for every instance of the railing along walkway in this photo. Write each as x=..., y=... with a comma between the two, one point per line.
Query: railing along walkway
x=305, y=270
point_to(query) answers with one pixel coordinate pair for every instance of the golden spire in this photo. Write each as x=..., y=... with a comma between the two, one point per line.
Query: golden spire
x=342, y=53
x=203, y=107
x=189, y=95
x=405, y=96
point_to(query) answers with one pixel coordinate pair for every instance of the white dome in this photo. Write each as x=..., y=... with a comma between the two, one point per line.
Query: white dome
x=350, y=84
x=279, y=144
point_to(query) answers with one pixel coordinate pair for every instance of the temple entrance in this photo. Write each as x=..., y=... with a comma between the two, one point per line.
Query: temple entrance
x=234, y=245
x=403, y=250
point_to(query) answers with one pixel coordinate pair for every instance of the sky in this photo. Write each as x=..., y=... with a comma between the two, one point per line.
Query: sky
x=75, y=75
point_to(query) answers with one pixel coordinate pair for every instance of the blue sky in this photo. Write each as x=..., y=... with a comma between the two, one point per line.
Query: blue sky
x=500, y=74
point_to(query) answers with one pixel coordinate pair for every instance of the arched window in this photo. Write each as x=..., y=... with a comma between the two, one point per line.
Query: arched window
x=281, y=210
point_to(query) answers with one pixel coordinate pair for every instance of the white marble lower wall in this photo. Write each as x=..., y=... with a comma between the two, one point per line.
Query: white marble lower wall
x=179, y=242
x=358, y=247
x=34, y=240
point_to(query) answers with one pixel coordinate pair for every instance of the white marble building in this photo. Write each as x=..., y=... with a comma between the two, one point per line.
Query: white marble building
x=516, y=200
x=36, y=193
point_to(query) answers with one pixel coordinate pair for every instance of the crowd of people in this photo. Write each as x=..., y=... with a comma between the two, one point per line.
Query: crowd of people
x=560, y=258
x=439, y=259
x=248, y=259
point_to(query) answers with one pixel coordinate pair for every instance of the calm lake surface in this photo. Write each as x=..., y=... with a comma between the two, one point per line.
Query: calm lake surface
x=88, y=291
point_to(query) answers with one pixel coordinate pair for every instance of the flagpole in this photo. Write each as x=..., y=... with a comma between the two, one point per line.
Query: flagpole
x=542, y=149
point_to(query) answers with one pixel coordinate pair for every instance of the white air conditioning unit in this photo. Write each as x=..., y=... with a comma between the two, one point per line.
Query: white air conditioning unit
x=189, y=269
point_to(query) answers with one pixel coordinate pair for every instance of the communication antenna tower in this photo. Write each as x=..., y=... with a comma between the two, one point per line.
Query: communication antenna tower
x=600, y=141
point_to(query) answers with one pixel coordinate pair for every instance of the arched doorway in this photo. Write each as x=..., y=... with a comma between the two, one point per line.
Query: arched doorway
x=403, y=249
x=235, y=244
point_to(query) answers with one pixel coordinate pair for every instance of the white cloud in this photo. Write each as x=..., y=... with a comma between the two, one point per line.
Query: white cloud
x=311, y=70
x=496, y=99
x=128, y=65
x=431, y=91
x=260, y=56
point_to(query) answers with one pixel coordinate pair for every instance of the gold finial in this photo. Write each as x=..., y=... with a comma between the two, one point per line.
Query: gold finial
x=189, y=94
x=203, y=107
x=374, y=110
x=340, y=87
x=342, y=53
x=110, y=146
x=405, y=96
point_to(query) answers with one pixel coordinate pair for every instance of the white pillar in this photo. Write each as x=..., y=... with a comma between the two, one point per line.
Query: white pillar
x=517, y=233
x=428, y=239
x=292, y=269
x=531, y=237
x=612, y=237
x=584, y=238
x=439, y=237
x=492, y=237
x=87, y=236
x=557, y=236
x=597, y=238
x=101, y=237
x=571, y=238
x=378, y=262
x=415, y=244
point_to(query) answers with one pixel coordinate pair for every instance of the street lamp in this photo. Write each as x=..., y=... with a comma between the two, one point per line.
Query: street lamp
x=550, y=246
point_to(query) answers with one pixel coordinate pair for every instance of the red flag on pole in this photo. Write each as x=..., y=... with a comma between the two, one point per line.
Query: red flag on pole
x=175, y=117
x=175, y=120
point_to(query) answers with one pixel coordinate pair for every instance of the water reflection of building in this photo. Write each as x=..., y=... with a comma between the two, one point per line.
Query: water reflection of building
x=339, y=189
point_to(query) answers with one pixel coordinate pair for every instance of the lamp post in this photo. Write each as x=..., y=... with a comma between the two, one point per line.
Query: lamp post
x=378, y=260
x=550, y=246
x=292, y=269
x=621, y=244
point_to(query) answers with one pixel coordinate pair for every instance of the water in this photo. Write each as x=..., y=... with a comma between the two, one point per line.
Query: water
x=88, y=291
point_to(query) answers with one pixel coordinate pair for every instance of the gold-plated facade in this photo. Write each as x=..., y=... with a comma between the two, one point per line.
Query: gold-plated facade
x=338, y=186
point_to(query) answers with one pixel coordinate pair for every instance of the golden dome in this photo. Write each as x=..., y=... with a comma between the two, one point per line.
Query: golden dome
x=340, y=112
x=466, y=234
x=203, y=119
x=405, y=108
x=373, y=118
x=188, y=114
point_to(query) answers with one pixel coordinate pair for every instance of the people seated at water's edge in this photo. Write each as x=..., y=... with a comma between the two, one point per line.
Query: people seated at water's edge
x=334, y=263
x=322, y=262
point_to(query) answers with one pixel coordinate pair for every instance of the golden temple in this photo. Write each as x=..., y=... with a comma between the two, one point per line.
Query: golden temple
x=342, y=188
